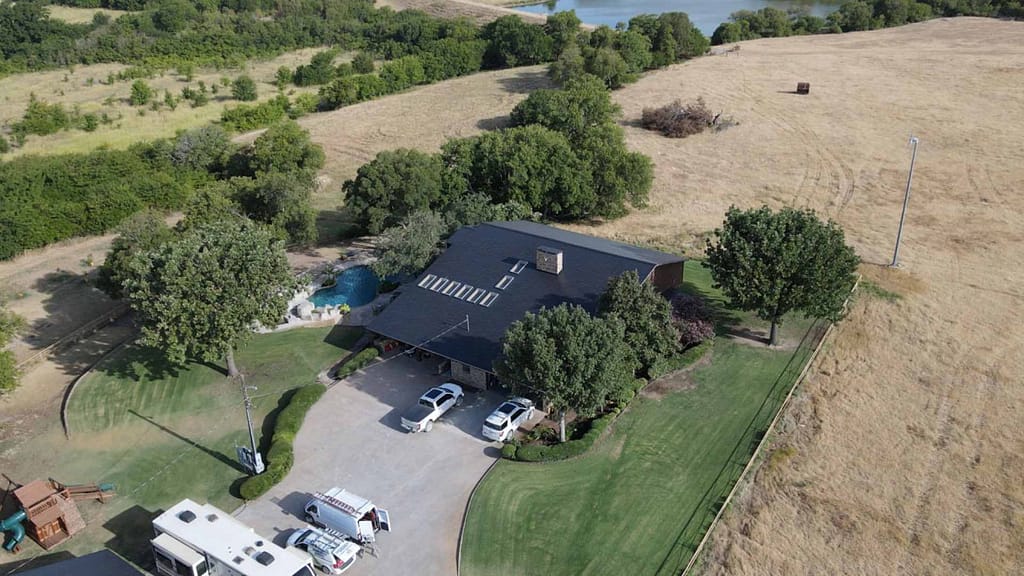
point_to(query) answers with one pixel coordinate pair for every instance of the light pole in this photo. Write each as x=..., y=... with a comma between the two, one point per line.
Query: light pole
x=906, y=200
x=253, y=461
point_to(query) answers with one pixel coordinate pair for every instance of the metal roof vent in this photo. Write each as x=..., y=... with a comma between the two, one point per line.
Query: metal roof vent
x=186, y=516
x=549, y=260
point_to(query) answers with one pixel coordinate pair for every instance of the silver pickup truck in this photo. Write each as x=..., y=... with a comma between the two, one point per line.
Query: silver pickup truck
x=431, y=406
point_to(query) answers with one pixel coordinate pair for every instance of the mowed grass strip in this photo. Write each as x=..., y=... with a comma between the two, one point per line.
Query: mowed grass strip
x=642, y=499
x=169, y=435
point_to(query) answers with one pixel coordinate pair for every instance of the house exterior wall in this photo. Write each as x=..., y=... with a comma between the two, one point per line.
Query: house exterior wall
x=469, y=375
x=667, y=276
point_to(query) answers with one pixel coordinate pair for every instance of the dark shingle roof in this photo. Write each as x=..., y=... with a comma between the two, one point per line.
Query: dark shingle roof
x=102, y=563
x=481, y=256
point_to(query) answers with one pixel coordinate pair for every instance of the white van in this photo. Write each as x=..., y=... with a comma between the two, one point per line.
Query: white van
x=355, y=517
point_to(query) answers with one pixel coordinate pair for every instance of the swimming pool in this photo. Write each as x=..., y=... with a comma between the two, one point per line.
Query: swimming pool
x=356, y=286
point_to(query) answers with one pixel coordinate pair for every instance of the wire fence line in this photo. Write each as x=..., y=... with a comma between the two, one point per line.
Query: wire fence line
x=825, y=330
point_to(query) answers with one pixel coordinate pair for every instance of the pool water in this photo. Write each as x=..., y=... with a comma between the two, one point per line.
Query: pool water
x=356, y=286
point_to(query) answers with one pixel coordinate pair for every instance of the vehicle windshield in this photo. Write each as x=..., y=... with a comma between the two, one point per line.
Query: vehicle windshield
x=491, y=425
x=427, y=403
x=304, y=571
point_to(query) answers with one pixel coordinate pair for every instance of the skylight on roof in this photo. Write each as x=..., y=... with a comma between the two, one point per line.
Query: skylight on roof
x=486, y=301
x=451, y=287
x=476, y=295
x=438, y=284
x=427, y=280
x=519, y=267
x=504, y=282
x=461, y=294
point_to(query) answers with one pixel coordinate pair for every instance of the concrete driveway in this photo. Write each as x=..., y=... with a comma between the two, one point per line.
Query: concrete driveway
x=353, y=438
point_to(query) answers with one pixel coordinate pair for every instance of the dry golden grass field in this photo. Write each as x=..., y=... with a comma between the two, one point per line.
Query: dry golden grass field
x=903, y=451
x=73, y=15
x=86, y=88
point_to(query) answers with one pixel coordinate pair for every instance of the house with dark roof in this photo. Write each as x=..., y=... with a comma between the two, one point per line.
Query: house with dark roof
x=492, y=274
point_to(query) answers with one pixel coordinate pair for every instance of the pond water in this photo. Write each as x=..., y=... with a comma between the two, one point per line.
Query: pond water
x=705, y=14
x=356, y=286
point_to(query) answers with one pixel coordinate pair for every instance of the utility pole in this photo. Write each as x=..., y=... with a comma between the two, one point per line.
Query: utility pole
x=906, y=200
x=256, y=463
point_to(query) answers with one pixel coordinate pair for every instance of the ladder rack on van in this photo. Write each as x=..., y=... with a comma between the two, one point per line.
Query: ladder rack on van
x=343, y=506
x=327, y=540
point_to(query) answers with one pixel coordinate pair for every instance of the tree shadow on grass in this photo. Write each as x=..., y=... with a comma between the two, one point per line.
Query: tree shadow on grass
x=525, y=82
x=132, y=530
x=142, y=363
x=495, y=123
x=726, y=320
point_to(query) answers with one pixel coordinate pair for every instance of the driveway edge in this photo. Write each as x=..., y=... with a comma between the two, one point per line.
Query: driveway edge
x=465, y=514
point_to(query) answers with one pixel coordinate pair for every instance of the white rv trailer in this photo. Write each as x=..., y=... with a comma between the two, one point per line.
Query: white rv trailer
x=201, y=540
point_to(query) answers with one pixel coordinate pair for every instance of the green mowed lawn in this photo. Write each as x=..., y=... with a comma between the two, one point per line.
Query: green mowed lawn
x=162, y=435
x=641, y=500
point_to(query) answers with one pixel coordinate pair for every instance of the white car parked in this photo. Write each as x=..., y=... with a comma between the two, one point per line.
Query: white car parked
x=507, y=418
x=331, y=554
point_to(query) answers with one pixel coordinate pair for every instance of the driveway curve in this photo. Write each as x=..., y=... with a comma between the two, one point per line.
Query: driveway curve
x=353, y=438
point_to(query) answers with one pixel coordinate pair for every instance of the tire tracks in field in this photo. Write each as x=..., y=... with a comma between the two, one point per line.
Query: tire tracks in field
x=822, y=165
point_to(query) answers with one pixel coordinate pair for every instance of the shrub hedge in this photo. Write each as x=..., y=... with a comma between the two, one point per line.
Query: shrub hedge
x=358, y=361
x=565, y=450
x=679, y=361
x=281, y=457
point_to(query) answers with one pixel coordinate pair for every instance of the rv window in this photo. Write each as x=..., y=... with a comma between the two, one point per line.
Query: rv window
x=201, y=568
x=163, y=560
x=183, y=570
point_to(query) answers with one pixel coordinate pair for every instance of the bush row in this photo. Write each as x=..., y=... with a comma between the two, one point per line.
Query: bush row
x=281, y=457
x=357, y=362
x=679, y=361
x=51, y=198
x=573, y=448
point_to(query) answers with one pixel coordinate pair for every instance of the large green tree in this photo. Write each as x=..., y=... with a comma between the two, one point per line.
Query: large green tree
x=571, y=359
x=200, y=296
x=284, y=147
x=531, y=165
x=645, y=315
x=392, y=186
x=773, y=263
x=408, y=247
x=582, y=104
x=283, y=200
x=146, y=230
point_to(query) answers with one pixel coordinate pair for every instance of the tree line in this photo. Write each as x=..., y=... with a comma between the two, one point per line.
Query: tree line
x=45, y=199
x=562, y=158
x=855, y=15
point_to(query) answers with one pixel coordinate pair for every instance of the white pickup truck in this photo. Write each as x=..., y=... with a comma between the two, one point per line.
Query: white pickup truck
x=431, y=406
